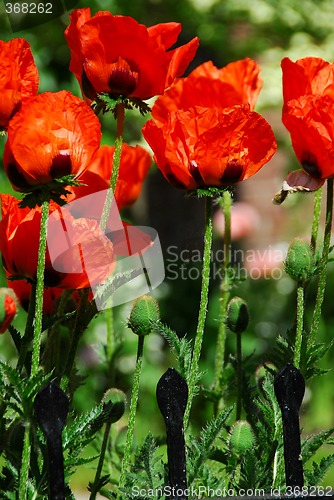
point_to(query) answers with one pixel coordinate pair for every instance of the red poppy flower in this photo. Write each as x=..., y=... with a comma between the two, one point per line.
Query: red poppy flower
x=8, y=308
x=18, y=77
x=118, y=56
x=307, y=76
x=135, y=164
x=210, y=87
x=23, y=289
x=53, y=135
x=211, y=147
x=310, y=121
x=78, y=254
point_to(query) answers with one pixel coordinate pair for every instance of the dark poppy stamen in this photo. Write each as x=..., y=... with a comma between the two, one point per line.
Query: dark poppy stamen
x=61, y=165
x=123, y=79
x=233, y=172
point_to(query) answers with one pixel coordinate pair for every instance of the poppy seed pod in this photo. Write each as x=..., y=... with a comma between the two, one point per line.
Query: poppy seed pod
x=299, y=261
x=237, y=315
x=145, y=309
x=241, y=438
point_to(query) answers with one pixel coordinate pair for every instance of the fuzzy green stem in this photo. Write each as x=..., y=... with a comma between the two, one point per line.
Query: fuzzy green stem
x=133, y=409
x=111, y=341
x=95, y=487
x=24, y=473
x=299, y=326
x=324, y=260
x=113, y=181
x=239, y=376
x=40, y=289
x=226, y=204
x=316, y=219
x=202, y=309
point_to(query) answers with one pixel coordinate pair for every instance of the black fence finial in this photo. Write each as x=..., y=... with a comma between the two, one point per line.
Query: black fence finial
x=51, y=408
x=289, y=388
x=172, y=396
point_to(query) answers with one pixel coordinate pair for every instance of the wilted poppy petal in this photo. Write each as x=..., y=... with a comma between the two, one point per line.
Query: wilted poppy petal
x=297, y=181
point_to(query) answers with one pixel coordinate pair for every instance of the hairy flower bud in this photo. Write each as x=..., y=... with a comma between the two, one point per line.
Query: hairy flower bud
x=241, y=438
x=8, y=308
x=237, y=315
x=299, y=261
x=145, y=309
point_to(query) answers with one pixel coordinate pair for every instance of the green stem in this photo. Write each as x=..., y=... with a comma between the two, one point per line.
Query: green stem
x=115, y=167
x=239, y=375
x=111, y=341
x=299, y=326
x=24, y=473
x=202, y=309
x=226, y=204
x=316, y=219
x=40, y=290
x=324, y=260
x=133, y=409
x=95, y=488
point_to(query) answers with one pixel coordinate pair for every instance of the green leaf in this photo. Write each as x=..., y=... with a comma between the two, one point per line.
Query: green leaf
x=202, y=449
x=181, y=347
x=311, y=444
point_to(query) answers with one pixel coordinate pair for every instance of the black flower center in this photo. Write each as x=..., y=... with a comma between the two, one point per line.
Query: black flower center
x=232, y=173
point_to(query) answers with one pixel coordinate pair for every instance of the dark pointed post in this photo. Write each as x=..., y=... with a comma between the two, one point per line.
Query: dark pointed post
x=289, y=388
x=172, y=397
x=51, y=408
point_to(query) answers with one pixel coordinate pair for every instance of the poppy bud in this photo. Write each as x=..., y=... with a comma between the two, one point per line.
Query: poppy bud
x=145, y=309
x=241, y=438
x=8, y=308
x=299, y=261
x=237, y=315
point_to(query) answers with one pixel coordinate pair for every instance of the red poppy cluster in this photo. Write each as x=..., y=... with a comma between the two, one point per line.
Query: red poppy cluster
x=204, y=133
x=308, y=114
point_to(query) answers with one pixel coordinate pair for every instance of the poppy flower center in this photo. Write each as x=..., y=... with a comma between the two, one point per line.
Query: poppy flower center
x=310, y=165
x=61, y=165
x=232, y=173
x=123, y=79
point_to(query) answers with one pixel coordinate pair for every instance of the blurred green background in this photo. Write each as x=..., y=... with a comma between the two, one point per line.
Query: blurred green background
x=266, y=30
